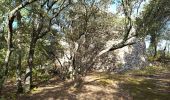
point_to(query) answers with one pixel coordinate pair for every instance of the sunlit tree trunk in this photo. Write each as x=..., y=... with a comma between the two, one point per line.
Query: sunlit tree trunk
x=9, y=51
x=18, y=67
x=19, y=57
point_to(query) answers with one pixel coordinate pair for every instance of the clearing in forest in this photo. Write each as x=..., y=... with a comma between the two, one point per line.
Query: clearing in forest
x=103, y=86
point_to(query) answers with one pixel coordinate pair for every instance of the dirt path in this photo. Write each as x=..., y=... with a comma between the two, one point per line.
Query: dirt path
x=103, y=86
x=94, y=87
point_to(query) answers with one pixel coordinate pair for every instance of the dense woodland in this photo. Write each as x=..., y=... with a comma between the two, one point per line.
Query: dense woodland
x=71, y=40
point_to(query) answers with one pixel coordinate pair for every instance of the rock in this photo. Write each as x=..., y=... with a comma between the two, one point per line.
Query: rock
x=126, y=58
x=131, y=57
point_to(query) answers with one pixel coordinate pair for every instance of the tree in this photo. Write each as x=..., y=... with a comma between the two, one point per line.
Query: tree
x=87, y=30
x=11, y=17
x=153, y=21
x=41, y=25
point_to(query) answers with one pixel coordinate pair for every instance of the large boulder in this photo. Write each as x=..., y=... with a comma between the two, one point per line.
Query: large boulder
x=131, y=57
x=126, y=58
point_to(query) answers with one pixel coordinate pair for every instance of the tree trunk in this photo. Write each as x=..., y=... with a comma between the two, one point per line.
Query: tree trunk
x=76, y=75
x=18, y=67
x=11, y=18
x=155, y=50
x=153, y=44
x=28, y=76
x=9, y=51
x=5, y=69
x=18, y=73
x=19, y=56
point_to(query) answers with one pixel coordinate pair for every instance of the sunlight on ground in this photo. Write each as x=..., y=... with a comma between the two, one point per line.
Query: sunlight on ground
x=105, y=86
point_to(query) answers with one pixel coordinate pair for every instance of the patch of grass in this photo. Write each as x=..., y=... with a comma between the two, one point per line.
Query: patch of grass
x=2, y=98
x=40, y=75
x=141, y=88
x=146, y=89
x=36, y=90
x=9, y=96
x=105, y=82
x=149, y=70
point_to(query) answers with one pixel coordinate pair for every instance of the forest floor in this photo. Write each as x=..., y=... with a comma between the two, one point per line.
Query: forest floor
x=102, y=86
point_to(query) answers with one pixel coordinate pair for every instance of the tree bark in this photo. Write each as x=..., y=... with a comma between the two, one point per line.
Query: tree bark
x=9, y=50
x=155, y=50
x=18, y=67
x=28, y=76
x=18, y=73
x=11, y=18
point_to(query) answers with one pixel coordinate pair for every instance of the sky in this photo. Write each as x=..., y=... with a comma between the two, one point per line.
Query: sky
x=112, y=8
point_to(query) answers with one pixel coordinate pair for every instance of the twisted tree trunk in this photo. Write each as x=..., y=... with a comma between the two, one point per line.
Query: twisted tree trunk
x=28, y=76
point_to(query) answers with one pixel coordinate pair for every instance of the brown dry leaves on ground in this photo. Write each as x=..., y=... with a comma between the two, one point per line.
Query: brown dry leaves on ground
x=94, y=87
x=100, y=86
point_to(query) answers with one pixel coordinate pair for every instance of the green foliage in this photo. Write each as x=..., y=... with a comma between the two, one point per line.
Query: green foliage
x=2, y=52
x=2, y=98
x=9, y=96
x=152, y=58
x=24, y=12
x=40, y=75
